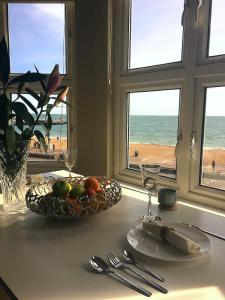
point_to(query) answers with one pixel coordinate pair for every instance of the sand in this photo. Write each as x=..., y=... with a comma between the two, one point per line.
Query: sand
x=148, y=153
x=55, y=145
x=164, y=155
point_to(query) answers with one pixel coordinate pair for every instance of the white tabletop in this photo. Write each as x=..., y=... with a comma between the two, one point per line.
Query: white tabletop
x=47, y=259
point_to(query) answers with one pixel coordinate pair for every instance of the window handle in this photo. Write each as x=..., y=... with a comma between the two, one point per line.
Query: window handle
x=179, y=140
x=200, y=3
x=192, y=148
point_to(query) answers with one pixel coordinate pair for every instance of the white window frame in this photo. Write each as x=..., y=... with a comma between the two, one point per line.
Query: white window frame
x=48, y=165
x=191, y=75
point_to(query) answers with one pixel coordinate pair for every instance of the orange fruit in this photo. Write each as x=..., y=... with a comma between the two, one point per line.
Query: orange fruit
x=91, y=183
x=90, y=192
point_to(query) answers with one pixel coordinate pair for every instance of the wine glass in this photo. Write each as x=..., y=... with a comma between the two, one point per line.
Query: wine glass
x=70, y=158
x=150, y=174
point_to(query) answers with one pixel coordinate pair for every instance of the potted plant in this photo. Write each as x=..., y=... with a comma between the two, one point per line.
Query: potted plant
x=19, y=118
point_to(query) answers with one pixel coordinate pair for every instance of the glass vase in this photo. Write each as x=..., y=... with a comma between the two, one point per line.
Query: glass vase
x=13, y=168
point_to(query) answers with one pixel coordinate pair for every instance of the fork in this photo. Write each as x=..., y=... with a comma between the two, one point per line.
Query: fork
x=116, y=263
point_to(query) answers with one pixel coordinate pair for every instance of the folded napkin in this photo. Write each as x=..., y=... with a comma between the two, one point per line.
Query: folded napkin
x=35, y=179
x=170, y=235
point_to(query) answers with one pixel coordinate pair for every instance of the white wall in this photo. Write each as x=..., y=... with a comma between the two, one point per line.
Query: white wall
x=92, y=95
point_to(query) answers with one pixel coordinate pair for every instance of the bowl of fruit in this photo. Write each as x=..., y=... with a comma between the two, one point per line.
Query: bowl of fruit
x=73, y=196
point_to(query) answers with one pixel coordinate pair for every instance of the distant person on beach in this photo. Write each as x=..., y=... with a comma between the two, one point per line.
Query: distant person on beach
x=135, y=153
x=57, y=138
x=213, y=165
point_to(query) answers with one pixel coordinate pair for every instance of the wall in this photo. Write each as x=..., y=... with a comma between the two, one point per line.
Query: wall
x=92, y=94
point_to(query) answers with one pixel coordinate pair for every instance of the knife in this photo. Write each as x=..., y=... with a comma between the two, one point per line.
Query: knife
x=206, y=231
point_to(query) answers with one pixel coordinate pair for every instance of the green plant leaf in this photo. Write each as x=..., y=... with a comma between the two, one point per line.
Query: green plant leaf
x=19, y=123
x=41, y=139
x=27, y=134
x=28, y=77
x=21, y=110
x=22, y=83
x=49, y=107
x=4, y=112
x=10, y=139
x=49, y=121
x=42, y=99
x=4, y=61
x=43, y=124
x=46, y=99
x=33, y=94
x=28, y=103
x=42, y=81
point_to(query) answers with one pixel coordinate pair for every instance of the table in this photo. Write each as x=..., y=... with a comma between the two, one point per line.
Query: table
x=46, y=259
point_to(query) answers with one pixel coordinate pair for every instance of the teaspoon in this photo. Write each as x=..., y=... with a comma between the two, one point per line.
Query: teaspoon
x=130, y=259
x=100, y=266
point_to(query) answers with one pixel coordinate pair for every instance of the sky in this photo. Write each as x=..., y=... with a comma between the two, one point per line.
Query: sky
x=156, y=38
x=36, y=33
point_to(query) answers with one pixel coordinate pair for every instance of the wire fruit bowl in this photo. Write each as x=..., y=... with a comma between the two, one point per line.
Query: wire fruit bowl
x=39, y=198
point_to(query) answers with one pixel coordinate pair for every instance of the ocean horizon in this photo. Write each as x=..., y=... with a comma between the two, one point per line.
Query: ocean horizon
x=161, y=130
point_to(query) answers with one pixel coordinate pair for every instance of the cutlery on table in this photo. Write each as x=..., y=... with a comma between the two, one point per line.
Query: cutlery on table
x=116, y=263
x=206, y=231
x=100, y=266
x=130, y=259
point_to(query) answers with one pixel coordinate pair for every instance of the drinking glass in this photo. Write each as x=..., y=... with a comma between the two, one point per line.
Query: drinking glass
x=70, y=158
x=150, y=174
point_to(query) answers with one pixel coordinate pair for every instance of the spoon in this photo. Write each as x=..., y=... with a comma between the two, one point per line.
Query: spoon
x=100, y=266
x=130, y=259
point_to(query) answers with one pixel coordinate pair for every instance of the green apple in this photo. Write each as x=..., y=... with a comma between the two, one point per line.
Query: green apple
x=61, y=188
x=77, y=191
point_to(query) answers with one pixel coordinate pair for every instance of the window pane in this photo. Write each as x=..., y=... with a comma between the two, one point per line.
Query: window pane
x=156, y=32
x=217, y=28
x=153, y=124
x=213, y=150
x=58, y=133
x=36, y=36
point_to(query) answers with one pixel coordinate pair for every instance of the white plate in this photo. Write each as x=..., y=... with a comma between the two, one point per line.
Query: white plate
x=153, y=247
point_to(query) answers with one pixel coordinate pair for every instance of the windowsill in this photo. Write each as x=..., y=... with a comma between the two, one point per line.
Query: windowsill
x=195, y=200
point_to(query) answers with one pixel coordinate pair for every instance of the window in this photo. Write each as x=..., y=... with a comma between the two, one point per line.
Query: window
x=40, y=36
x=31, y=43
x=153, y=127
x=57, y=141
x=148, y=45
x=213, y=144
x=169, y=94
x=217, y=28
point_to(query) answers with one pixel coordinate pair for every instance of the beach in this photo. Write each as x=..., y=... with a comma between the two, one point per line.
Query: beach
x=165, y=155
x=56, y=145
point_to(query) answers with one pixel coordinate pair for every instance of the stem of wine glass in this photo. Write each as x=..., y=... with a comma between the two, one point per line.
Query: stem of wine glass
x=69, y=170
x=149, y=202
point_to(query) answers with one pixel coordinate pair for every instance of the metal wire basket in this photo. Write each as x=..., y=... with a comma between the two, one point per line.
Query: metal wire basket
x=40, y=200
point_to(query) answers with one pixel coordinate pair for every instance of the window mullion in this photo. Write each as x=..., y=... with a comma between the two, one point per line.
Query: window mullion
x=3, y=21
x=187, y=97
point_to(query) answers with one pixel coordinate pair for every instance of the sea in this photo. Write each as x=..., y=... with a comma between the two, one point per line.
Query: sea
x=159, y=130
x=162, y=130
x=57, y=130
